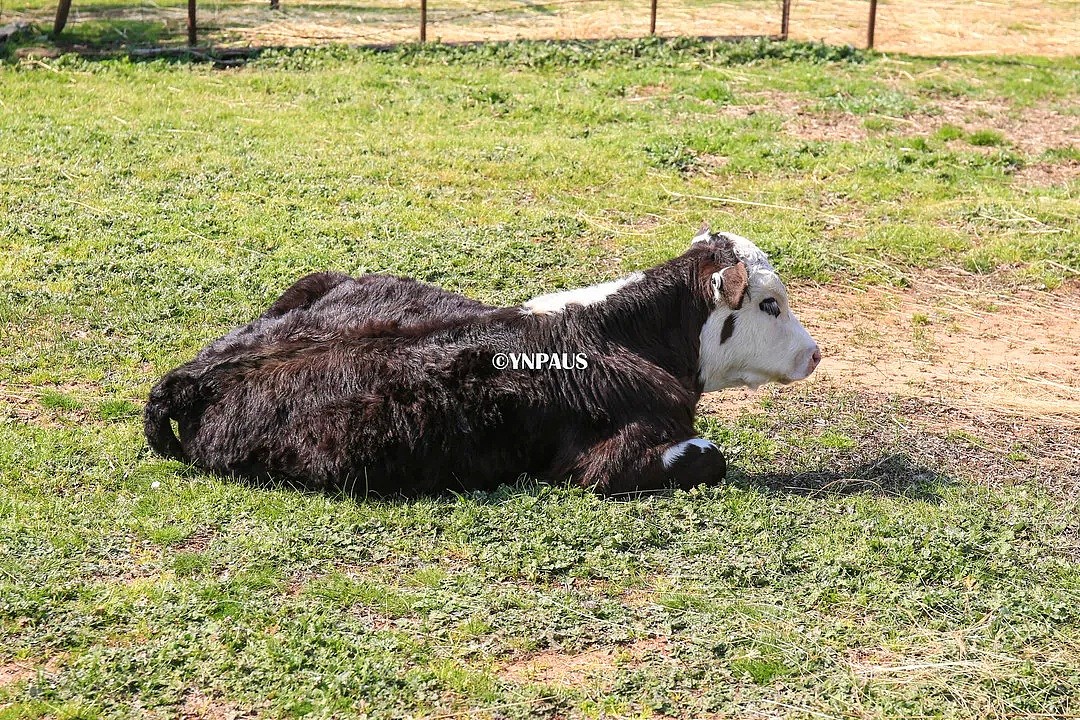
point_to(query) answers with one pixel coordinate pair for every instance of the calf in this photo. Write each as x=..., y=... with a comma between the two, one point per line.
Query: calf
x=381, y=384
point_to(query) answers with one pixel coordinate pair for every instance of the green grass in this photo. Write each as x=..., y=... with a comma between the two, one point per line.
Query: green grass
x=986, y=138
x=856, y=562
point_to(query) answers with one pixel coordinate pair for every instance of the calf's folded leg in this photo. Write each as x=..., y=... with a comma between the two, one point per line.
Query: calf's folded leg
x=630, y=461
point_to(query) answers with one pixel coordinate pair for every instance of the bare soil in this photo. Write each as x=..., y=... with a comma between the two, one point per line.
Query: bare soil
x=1046, y=174
x=14, y=674
x=958, y=374
x=1032, y=130
x=591, y=667
x=199, y=706
x=956, y=336
x=958, y=352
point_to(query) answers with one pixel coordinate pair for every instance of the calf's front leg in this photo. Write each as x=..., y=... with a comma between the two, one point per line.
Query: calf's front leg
x=693, y=462
x=630, y=462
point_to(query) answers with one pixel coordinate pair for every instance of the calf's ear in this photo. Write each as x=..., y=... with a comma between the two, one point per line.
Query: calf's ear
x=730, y=285
x=704, y=234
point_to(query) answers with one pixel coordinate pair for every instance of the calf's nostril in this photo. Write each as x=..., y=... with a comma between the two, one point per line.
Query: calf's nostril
x=816, y=357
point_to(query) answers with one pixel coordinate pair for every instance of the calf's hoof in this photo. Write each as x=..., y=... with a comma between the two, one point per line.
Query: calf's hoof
x=694, y=462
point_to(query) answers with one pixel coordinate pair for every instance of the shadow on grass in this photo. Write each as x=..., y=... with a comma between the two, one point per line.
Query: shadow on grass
x=888, y=474
x=135, y=40
x=96, y=39
x=111, y=36
x=893, y=474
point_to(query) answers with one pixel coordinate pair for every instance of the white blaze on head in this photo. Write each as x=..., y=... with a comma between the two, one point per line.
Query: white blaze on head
x=761, y=341
x=557, y=302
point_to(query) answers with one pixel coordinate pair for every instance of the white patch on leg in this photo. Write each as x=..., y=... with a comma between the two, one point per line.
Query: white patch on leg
x=557, y=302
x=676, y=451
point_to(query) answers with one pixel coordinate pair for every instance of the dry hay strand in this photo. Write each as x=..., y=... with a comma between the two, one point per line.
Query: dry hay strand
x=197, y=705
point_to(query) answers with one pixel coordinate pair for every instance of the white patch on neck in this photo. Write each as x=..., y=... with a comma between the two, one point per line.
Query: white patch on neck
x=715, y=361
x=676, y=451
x=557, y=302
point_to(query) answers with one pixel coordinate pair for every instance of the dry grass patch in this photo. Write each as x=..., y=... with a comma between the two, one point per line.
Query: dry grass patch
x=591, y=668
x=1032, y=130
x=944, y=27
x=799, y=120
x=958, y=658
x=23, y=405
x=198, y=541
x=1047, y=174
x=957, y=336
x=199, y=706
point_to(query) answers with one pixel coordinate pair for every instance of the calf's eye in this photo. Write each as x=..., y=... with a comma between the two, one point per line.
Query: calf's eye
x=770, y=306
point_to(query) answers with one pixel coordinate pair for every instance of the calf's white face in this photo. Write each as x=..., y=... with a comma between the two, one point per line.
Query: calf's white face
x=762, y=340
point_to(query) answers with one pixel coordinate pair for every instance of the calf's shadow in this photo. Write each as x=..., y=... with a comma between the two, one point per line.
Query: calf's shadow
x=893, y=474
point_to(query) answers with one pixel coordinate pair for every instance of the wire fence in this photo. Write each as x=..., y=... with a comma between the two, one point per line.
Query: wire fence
x=782, y=29
x=1037, y=27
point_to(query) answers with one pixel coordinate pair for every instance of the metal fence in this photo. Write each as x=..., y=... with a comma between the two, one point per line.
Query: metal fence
x=64, y=7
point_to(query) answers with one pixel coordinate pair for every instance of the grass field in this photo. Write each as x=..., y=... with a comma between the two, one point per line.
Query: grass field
x=890, y=543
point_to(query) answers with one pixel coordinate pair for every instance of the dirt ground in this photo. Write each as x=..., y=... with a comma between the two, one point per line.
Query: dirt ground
x=980, y=375
x=934, y=27
x=597, y=667
x=1012, y=352
x=1032, y=130
x=970, y=342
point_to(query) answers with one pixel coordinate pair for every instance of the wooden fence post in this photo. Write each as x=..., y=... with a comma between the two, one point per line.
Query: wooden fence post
x=423, y=20
x=785, y=19
x=870, y=27
x=62, y=10
x=652, y=19
x=191, y=33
